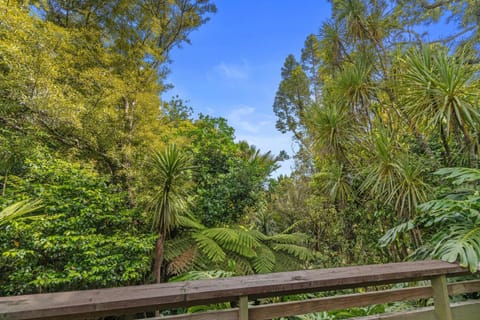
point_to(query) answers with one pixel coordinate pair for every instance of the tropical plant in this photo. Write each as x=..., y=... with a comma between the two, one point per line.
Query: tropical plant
x=19, y=209
x=451, y=223
x=83, y=237
x=170, y=169
x=237, y=249
x=438, y=92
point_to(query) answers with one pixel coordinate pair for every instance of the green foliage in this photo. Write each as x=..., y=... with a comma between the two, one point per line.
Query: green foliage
x=19, y=209
x=80, y=87
x=452, y=222
x=394, y=107
x=229, y=176
x=84, y=238
x=170, y=172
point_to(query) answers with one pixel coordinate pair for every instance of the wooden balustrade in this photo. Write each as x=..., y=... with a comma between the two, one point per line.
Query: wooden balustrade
x=92, y=304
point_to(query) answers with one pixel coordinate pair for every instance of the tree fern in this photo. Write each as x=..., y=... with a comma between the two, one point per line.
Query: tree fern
x=297, y=251
x=289, y=238
x=209, y=247
x=202, y=275
x=186, y=221
x=235, y=240
x=176, y=246
x=265, y=260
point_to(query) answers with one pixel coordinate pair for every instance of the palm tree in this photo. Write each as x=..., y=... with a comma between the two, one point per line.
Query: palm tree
x=439, y=93
x=452, y=222
x=169, y=201
x=393, y=177
x=333, y=130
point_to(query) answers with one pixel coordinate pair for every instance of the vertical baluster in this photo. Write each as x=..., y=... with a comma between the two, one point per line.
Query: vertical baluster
x=243, y=308
x=440, y=298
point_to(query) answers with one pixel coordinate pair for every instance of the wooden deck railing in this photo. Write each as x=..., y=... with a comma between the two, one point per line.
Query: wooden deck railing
x=92, y=304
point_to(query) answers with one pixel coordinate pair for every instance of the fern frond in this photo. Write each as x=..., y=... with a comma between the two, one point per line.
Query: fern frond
x=265, y=260
x=257, y=235
x=208, y=246
x=202, y=275
x=189, y=222
x=242, y=265
x=176, y=246
x=235, y=240
x=285, y=262
x=182, y=262
x=292, y=238
x=299, y=252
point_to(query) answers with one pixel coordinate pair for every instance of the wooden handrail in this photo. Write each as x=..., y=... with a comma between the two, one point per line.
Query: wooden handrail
x=111, y=301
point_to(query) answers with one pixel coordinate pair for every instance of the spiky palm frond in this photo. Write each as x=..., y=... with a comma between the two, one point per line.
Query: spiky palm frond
x=170, y=168
x=352, y=13
x=411, y=189
x=333, y=130
x=383, y=171
x=332, y=46
x=355, y=86
x=19, y=209
x=335, y=182
x=393, y=177
x=438, y=90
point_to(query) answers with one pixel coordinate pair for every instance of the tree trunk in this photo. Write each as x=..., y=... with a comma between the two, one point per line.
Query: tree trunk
x=159, y=250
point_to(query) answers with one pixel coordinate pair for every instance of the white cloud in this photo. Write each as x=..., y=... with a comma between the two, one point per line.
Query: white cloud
x=232, y=71
x=259, y=129
x=246, y=119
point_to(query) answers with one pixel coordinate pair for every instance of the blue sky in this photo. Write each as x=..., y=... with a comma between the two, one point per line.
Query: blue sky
x=232, y=67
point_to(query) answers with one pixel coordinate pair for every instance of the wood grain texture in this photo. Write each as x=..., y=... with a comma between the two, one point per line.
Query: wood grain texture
x=441, y=299
x=167, y=295
x=337, y=302
x=464, y=287
x=468, y=310
x=231, y=314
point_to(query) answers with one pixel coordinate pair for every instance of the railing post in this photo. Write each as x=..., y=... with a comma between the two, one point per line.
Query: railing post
x=243, y=308
x=440, y=298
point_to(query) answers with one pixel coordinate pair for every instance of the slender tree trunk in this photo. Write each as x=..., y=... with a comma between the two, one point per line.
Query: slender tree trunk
x=159, y=250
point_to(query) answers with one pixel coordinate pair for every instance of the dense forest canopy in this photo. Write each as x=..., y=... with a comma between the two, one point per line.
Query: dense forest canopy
x=376, y=107
x=104, y=184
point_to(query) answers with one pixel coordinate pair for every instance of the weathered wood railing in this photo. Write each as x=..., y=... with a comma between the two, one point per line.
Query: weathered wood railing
x=92, y=304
